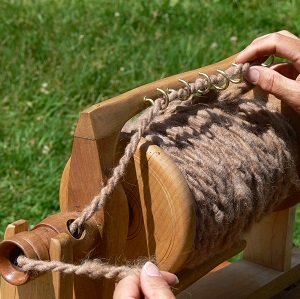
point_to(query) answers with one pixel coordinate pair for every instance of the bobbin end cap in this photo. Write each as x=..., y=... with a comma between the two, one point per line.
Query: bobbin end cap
x=9, y=252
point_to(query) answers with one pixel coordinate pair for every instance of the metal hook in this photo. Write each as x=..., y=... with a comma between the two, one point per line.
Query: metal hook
x=166, y=98
x=272, y=58
x=240, y=79
x=207, y=88
x=188, y=88
x=148, y=100
x=226, y=81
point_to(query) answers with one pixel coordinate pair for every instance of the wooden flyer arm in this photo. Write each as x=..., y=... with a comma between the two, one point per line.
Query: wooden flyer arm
x=106, y=118
x=96, y=137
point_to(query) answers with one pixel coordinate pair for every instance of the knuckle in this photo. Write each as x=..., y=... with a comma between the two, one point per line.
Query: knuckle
x=275, y=37
x=269, y=83
x=257, y=40
x=284, y=31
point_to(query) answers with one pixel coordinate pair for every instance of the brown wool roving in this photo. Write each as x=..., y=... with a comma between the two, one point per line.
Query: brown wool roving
x=238, y=158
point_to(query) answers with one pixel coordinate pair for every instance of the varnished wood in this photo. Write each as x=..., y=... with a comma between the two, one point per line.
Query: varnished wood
x=244, y=279
x=146, y=236
x=107, y=118
x=8, y=290
x=61, y=250
x=189, y=276
x=162, y=213
x=270, y=241
x=151, y=212
x=47, y=286
x=41, y=287
x=35, y=244
x=94, y=155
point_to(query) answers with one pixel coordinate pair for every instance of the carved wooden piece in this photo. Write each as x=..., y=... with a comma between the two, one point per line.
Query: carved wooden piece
x=47, y=286
x=107, y=118
x=36, y=244
x=162, y=220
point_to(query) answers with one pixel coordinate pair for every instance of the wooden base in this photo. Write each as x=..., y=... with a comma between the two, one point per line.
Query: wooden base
x=291, y=292
x=244, y=279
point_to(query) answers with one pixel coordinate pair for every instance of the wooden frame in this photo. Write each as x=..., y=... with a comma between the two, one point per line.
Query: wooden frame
x=95, y=151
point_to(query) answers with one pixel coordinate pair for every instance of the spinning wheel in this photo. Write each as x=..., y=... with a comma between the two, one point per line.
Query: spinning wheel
x=150, y=214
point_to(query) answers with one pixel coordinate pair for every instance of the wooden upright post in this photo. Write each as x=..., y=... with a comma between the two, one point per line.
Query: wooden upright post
x=270, y=241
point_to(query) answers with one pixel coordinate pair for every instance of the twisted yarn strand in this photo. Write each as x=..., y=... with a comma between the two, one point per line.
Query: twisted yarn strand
x=91, y=268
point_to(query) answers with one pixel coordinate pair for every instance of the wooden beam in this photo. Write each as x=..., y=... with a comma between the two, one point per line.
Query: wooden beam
x=244, y=279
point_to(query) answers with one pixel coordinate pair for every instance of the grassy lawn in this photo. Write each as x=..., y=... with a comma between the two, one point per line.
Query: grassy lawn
x=59, y=57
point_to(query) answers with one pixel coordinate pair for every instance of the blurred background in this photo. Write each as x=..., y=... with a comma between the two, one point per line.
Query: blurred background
x=60, y=57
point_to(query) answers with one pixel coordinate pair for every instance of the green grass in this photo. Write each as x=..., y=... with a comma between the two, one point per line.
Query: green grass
x=59, y=57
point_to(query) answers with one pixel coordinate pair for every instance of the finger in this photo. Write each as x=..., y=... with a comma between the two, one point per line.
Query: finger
x=153, y=284
x=289, y=34
x=260, y=37
x=271, y=81
x=170, y=278
x=128, y=288
x=286, y=69
x=276, y=43
x=283, y=32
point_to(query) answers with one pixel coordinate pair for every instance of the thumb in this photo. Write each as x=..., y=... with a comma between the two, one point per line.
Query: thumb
x=153, y=284
x=273, y=82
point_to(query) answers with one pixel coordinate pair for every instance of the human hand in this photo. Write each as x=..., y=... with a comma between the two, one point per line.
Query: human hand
x=281, y=80
x=150, y=284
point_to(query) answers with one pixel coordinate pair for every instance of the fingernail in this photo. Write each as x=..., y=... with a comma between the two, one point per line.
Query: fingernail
x=177, y=280
x=252, y=75
x=151, y=269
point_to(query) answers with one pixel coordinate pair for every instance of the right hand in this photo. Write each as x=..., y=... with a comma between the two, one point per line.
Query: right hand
x=281, y=80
